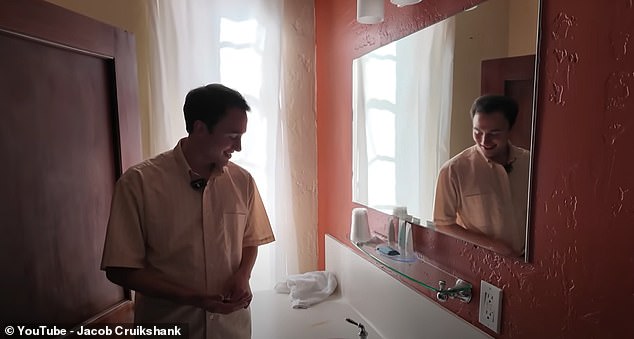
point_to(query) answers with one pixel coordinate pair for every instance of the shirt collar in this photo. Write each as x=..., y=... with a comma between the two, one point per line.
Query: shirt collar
x=513, y=151
x=186, y=169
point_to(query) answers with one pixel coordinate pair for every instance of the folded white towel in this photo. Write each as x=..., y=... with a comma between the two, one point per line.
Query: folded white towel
x=309, y=288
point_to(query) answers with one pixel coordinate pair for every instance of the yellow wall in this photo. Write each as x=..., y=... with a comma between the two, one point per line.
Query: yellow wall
x=480, y=34
x=132, y=17
x=495, y=29
x=523, y=17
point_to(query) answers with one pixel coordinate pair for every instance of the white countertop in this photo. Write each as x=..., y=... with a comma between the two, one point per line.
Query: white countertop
x=273, y=318
x=387, y=305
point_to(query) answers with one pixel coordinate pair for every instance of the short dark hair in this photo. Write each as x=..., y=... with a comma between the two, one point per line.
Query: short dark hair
x=492, y=103
x=210, y=103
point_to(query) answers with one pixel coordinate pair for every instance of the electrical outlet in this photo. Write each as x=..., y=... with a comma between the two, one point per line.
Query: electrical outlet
x=490, y=306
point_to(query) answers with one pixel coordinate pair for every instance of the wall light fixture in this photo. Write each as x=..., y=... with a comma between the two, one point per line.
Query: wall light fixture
x=401, y=3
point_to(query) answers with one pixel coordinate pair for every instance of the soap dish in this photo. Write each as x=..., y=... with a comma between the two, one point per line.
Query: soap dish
x=390, y=253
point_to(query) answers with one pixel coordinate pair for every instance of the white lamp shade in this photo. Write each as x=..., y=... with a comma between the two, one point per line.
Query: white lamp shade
x=401, y=3
x=370, y=11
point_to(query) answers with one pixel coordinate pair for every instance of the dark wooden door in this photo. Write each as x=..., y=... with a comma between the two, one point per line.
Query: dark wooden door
x=70, y=126
x=513, y=77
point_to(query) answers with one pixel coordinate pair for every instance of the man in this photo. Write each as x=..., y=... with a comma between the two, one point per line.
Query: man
x=481, y=193
x=184, y=226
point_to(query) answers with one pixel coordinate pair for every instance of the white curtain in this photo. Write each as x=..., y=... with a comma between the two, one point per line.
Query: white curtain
x=238, y=44
x=402, y=115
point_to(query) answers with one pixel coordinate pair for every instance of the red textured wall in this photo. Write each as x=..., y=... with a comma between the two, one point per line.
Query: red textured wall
x=580, y=279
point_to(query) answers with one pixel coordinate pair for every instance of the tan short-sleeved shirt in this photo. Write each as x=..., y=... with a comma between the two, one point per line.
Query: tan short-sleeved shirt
x=193, y=236
x=479, y=194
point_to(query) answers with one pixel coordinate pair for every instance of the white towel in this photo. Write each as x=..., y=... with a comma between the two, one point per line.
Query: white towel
x=309, y=288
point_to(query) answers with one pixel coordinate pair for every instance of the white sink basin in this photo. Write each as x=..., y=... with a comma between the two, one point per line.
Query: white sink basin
x=273, y=317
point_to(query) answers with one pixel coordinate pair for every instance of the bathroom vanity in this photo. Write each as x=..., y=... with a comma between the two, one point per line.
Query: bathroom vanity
x=386, y=307
x=273, y=317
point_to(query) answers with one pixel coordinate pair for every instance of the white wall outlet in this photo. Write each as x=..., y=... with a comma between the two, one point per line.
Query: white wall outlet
x=490, y=306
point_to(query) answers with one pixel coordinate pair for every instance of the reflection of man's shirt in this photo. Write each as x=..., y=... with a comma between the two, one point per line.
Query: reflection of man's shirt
x=194, y=237
x=480, y=195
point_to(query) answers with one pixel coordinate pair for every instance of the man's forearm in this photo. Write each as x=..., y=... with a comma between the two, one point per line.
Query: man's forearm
x=154, y=284
x=249, y=254
x=477, y=238
x=462, y=233
x=237, y=287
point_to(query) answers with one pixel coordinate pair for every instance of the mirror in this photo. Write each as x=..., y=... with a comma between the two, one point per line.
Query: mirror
x=412, y=100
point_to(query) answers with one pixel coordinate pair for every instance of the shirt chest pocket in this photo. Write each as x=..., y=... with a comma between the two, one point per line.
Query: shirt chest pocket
x=480, y=210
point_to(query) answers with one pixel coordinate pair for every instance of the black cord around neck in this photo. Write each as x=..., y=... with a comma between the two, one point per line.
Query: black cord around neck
x=508, y=167
x=198, y=184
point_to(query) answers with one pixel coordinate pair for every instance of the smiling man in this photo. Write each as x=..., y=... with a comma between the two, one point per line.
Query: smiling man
x=184, y=226
x=481, y=193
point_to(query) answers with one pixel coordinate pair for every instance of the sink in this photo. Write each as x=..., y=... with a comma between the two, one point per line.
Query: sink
x=273, y=317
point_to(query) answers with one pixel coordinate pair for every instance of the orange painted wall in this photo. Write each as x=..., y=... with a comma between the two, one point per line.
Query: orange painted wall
x=580, y=278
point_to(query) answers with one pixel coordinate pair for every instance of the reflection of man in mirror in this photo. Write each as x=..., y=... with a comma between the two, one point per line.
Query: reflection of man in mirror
x=481, y=193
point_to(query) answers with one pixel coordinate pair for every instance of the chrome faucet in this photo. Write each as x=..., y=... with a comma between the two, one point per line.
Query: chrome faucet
x=462, y=291
x=362, y=332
